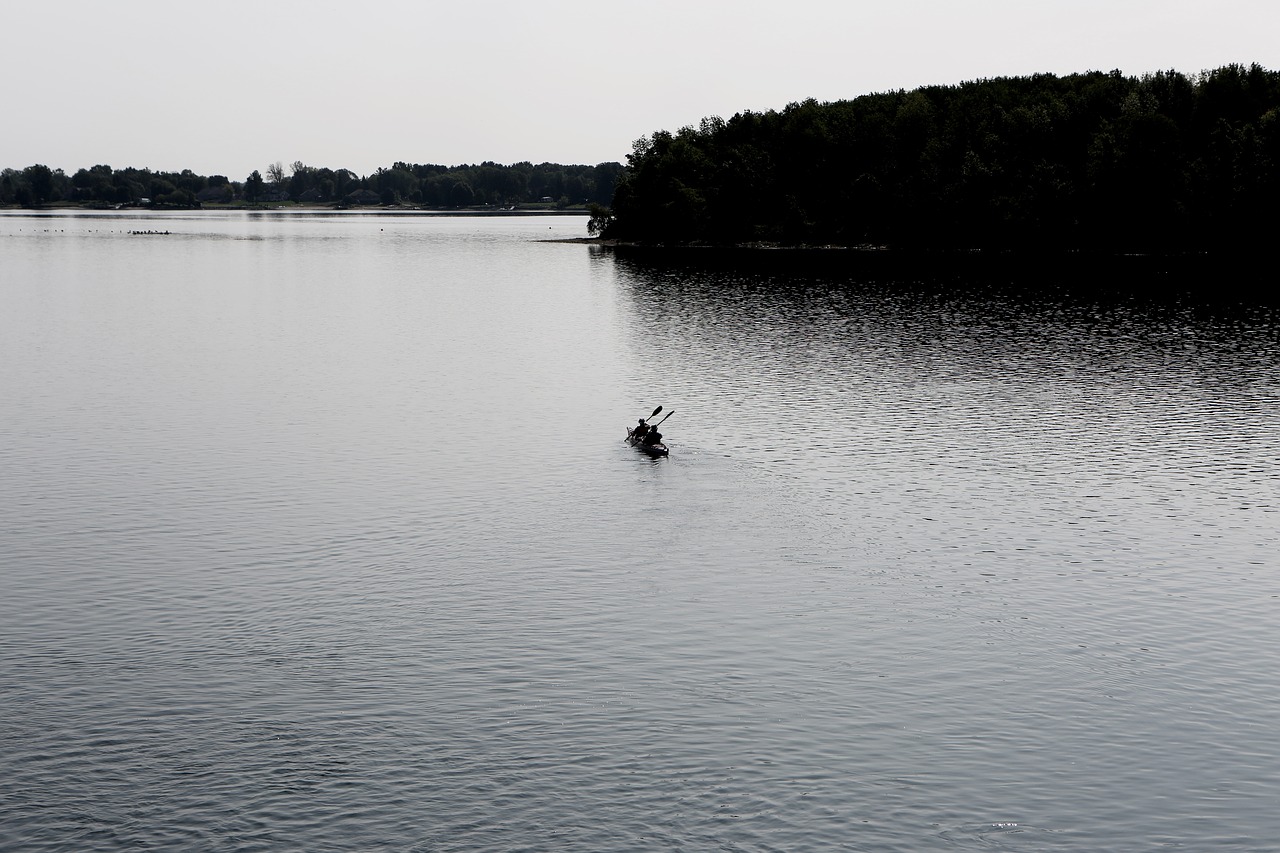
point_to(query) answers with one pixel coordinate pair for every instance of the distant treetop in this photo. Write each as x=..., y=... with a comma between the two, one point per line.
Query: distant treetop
x=488, y=184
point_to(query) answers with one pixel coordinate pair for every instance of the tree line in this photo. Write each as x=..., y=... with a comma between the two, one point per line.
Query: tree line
x=1091, y=161
x=487, y=184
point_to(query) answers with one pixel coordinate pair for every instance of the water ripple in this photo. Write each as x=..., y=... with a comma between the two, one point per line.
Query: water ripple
x=326, y=540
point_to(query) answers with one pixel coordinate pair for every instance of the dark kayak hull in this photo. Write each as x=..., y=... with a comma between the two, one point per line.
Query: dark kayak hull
x=658, y=449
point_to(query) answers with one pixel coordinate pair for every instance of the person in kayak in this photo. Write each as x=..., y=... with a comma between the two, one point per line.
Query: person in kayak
x=642, y=429
x=653, y=436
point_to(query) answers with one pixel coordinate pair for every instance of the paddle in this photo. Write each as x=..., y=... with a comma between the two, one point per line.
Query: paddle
x=653, y=415
x=664, y=417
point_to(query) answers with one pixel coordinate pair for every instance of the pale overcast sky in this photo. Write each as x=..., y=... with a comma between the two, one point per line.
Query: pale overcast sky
x=230, y=86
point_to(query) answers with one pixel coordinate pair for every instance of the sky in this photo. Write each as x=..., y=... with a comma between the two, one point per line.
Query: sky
x=231, y=86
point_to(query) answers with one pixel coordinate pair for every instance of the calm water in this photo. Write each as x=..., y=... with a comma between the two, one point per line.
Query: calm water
x=318, y=533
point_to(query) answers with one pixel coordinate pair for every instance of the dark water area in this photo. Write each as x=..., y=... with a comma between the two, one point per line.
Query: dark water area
x=1015, y=322
x=1200, y=279
x=319, y=533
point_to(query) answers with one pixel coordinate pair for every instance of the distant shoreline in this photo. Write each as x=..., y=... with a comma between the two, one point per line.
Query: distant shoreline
x=305, y=208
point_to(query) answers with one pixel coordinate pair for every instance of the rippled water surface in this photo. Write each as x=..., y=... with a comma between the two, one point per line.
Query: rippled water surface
x=317, y=533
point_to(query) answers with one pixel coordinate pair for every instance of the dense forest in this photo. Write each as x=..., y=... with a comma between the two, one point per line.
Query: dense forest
x=1093, y=161
x=485, y=185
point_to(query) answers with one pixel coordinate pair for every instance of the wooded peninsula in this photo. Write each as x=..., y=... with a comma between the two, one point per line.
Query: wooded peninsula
x=1088, y=162
x=1092, y=162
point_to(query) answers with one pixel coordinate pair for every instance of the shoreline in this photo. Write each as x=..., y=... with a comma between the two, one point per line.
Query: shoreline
x=303, y=208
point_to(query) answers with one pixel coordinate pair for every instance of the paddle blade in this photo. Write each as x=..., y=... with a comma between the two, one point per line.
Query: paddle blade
x=655, y=413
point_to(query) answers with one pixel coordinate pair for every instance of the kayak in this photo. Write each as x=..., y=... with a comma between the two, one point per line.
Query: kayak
x=658, y=449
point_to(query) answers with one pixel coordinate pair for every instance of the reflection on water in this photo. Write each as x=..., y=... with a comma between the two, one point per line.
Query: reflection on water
x=1084, y=490
x=319, y=533
x=1045, y=381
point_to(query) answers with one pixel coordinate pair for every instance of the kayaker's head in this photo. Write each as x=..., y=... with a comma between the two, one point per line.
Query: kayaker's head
x=642, y=421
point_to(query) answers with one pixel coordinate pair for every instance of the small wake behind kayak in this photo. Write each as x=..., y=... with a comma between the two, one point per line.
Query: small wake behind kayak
x=657, y=449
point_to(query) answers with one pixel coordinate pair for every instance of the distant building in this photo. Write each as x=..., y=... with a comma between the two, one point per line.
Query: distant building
x=363, y=197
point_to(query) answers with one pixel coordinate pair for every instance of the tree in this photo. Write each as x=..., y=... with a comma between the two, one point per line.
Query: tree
x=39, y=179
x=159, y=186
x=253, y=186
x=344, y=182
x=461, y=195
x=399, y=180
x=601, y=217
x=94, y=183
x=302, y=179
x=275, y=173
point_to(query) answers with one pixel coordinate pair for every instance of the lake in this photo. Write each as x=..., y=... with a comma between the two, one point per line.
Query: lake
x=318, y=532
